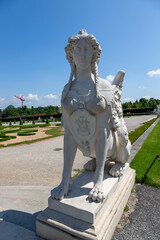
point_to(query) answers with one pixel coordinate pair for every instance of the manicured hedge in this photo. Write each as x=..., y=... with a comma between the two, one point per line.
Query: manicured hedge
x=27, y=132
x=5, y=138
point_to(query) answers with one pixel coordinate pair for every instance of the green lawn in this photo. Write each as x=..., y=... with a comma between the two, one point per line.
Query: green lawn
x=56, y=131
x=145, y=156
x=27, y=132
x=134, y=135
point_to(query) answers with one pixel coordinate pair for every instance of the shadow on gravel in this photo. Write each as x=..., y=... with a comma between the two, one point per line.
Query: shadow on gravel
x=57, y=149
x=23, y=219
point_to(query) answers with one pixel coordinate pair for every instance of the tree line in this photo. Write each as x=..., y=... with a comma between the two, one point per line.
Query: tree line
x=21, y=111
x=142, y=103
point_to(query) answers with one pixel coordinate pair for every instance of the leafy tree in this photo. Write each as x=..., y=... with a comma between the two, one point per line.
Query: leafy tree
x=152, y=103
x=144, y=103
x=9, y=111
x=136, y=104
x=33, y=110
x=57, y=109
x=41, y=110
x=24, y=110
x=126, y=105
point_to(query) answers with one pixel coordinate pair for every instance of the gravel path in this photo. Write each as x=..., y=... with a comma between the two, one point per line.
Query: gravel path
x=38, y=163
x=41, y=163
x=145, y=220
x=137, y=121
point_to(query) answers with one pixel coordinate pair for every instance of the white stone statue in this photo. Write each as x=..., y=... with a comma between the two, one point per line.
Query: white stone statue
x=92, y=117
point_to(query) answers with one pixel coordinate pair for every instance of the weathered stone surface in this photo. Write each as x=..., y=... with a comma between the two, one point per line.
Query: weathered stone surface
x=93, y=121
x=92, y=116
x=77, y=217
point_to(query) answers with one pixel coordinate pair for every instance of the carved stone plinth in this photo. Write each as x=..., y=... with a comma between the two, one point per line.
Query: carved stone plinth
x=78, y=217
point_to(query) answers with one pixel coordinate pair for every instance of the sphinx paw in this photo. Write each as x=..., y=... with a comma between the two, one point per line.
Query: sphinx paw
x=96, y=194
x=90, y=165
x=60, y=191
x=118, y=169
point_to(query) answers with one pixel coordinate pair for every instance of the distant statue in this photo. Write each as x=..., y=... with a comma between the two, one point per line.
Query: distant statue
x=92, y=117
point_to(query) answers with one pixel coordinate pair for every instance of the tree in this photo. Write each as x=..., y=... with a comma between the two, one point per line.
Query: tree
x=9, y=111
x=144, y=102
x=41, y=110
x=24, y=110
x=136, y=104
x=126, y=105
x=152, y=103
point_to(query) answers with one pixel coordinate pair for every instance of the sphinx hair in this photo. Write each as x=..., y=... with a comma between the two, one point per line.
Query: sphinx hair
x=96, y=55
x=73, y=73
x=96, y=77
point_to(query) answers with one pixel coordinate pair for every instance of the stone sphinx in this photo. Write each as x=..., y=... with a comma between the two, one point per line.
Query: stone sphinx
x=92, y=117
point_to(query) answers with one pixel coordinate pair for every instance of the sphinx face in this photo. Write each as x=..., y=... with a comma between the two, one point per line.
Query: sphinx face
x=82, y=54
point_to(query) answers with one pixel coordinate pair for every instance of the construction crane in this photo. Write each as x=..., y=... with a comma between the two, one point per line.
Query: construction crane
x=21, y=98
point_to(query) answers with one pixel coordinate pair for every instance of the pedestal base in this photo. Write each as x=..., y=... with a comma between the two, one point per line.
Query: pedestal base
x=77, y=217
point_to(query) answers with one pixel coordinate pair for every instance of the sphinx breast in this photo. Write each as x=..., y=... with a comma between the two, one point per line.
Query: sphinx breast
x=96, y=105
x=93, y=105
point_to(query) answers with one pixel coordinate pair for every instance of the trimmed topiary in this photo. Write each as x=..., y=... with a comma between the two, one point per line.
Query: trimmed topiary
x=47, y=121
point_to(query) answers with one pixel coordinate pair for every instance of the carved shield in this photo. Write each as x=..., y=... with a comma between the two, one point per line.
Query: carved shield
x=82, y=124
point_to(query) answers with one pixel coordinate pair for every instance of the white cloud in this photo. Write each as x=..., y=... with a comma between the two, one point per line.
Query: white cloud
x=155, y=73
x=146, y=97
x=141, y=87
x=50, y=96
x=128, y=99
x=32, y=97
x=2, y=99
x=110, y=78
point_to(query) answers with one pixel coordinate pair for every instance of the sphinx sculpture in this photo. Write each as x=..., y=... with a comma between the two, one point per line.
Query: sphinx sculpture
x=92, y=117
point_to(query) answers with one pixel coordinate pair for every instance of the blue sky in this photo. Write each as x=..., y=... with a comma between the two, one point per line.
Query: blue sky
x=33, y=34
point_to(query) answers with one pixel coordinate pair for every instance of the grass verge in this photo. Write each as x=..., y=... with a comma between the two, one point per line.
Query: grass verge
x=56, y=131
x=134, y=135
x=145, y=156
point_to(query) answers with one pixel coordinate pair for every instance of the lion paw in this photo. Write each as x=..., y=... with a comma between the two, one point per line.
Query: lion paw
x=90, y=165
x=60, y=191
x=118, y=169
x=96, y=194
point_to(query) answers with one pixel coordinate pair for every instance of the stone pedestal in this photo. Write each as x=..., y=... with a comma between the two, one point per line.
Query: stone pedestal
x=78, y=217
